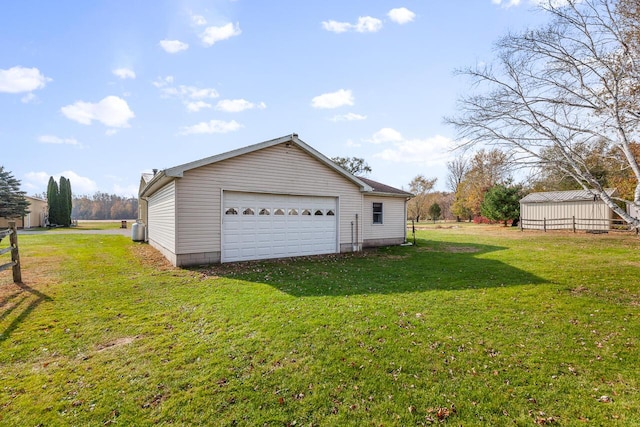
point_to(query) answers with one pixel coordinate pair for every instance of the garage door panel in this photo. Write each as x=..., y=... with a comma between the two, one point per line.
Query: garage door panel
x=269, y=235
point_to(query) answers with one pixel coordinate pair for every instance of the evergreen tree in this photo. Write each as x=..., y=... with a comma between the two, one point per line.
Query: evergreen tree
x=434, y=212
x=53, y=197
x=59, y=199
x=502, y=203
x=12, y=202
x=64, y=202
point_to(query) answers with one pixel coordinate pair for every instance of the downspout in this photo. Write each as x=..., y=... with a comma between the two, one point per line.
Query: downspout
x=404, y=222
x=353, y=246
x=357, y=234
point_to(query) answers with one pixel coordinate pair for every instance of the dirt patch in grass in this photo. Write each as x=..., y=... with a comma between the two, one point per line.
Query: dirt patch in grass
x=450, y=249
x=579, y=290
x=214, y=271
x=150, y=257
x=119, y=342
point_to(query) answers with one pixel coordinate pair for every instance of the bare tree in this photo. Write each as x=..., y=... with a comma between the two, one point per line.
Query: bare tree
x=420, y=186
x=457, y=169
x=571, y=84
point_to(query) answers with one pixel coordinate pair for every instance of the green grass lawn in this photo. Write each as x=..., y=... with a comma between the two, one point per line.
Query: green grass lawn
x=474, y=326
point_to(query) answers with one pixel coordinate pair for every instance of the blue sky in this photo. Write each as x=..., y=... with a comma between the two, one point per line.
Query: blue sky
x=101, y=91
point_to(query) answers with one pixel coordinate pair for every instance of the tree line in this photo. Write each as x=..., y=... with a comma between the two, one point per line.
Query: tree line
x=561, y=100
x=102, y=206
x=564, y=100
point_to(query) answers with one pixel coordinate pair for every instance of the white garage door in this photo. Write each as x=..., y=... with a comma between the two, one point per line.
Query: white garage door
x=260, y=226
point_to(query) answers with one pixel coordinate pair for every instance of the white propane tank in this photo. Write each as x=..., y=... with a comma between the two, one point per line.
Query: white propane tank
x=137, y=231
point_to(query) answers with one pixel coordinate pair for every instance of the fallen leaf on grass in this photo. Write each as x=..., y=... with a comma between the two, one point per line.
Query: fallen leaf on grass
x=442, y=413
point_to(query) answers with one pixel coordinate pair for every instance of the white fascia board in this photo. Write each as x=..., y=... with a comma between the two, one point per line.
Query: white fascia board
x=178, y=171
x=318, y=155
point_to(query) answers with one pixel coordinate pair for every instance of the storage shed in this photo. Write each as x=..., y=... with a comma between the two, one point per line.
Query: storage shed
x=570, y=210
x=278, y=198
x=34, y=218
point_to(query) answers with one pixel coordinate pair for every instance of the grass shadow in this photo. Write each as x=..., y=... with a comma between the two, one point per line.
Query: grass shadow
x=29, y=296
x=389, y=270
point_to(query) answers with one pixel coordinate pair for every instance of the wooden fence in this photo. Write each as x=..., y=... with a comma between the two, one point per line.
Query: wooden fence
x=12, y=232
x=600, y=225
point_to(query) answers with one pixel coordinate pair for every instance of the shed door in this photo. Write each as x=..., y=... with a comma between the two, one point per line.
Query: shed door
x=260, y=226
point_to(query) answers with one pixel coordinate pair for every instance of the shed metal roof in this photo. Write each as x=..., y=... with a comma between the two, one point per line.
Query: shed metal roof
x=564, y=196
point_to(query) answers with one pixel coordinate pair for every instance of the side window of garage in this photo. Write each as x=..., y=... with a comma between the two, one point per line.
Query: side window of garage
x=377, y=213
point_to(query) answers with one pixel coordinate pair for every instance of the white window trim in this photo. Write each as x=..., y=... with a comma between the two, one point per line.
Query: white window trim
x=373, y=213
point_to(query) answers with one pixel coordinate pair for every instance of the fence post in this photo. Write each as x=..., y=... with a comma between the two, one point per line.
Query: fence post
x=544, y=224
x=15, y=254
x=574, y=223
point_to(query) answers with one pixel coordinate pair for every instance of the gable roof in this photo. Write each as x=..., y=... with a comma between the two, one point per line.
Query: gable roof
x=383, y=189
x=565, y=196
x=163, y=177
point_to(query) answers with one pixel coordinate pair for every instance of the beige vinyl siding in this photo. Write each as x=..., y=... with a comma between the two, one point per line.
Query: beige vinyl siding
x=393, y=218
x=162, y=217
x=581, y=210
x=38, y=210
x=277, y=170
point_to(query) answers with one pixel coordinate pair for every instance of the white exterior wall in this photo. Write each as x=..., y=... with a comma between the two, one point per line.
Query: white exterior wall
x=585, y=212
x=276, y=170
x=162, y=219
x=393, y=227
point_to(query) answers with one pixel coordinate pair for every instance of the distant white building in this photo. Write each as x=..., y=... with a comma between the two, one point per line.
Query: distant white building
x=566, y=210
x=633, y=210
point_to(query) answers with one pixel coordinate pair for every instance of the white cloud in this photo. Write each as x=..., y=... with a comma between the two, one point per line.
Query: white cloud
x=29, y=98
x=552, y=3
x=20, y=79
x=336, y=27
x=183, y=91
x=401, y=15
x=213, y=126
x=130, y=190
x=385, y=135
x=124, y=73
x=198, y=20
x=111, y=111
x=163, y=81
x=365, y=24
x=111, y=132
x=506, y=3
x=238, y=105
x=195, y=106
x=335, y=99
x=431, y=151
x=190, y=92
x=351, y=143
x=79, y=184
x=211, y=35
x=348, y=117
x=52, y=139
x=192, y=96
x=173, y=46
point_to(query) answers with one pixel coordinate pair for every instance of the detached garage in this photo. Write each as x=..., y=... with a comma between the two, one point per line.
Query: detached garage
x=566, y=210
x=279, y=198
